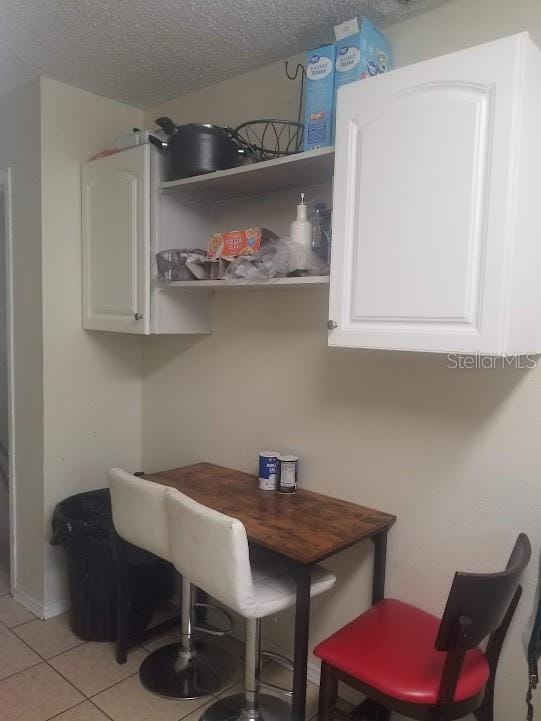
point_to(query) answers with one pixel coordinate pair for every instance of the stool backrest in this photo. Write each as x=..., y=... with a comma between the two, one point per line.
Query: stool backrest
x=482, y=600
x=211, y=550
x=139, y=514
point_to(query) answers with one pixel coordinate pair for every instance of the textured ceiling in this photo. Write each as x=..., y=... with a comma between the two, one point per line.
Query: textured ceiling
x=146, y=51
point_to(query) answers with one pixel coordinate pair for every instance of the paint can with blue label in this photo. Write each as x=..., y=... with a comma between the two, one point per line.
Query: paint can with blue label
x=268, y=470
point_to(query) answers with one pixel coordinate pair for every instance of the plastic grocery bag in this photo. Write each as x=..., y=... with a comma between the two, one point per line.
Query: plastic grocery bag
x=277, y=259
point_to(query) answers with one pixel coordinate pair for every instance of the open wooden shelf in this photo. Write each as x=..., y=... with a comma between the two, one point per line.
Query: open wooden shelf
x=274, y=283
x=303, y=169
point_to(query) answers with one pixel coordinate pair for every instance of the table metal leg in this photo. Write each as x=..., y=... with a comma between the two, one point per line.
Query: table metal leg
x=380, y=559
x=302, y=575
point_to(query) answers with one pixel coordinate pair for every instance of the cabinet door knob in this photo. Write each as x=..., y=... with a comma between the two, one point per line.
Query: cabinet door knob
x=332, y=324
x=138, y=316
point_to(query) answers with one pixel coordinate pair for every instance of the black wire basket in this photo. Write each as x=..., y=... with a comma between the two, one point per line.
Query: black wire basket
x=268, y=139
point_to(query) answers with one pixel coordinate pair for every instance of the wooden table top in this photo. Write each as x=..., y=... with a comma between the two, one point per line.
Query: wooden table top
x=304, y=526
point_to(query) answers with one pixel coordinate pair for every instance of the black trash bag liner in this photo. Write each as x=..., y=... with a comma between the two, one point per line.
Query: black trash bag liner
x=89, y=515
x=86, y=515
x=83, y=524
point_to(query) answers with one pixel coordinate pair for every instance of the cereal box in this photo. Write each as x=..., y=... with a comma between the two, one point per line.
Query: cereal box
x=319, y=98
x=360, y=53
x=234, y=243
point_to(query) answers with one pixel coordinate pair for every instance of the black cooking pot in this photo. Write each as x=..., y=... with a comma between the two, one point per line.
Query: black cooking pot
x=196, y=148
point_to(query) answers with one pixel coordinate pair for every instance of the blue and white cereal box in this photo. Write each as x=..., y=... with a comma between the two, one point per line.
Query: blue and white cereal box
x=360, y=53
x=319, y=97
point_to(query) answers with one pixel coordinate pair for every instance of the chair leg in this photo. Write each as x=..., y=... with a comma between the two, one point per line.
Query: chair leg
x=328, y=692
x=250, y=705
x=252, y=667
x=121, y=599
x=186, y=641
x=485, y=712
x=190, y=669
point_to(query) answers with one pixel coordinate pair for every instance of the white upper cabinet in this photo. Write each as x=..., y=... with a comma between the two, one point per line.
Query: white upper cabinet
x=437, y=221
x=130, y=214
x=125, y=222
x=116, y=242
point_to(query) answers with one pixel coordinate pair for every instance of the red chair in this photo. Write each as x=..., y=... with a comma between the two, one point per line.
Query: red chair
x=406, y=660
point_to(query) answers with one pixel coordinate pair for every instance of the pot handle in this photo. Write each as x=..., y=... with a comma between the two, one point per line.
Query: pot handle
x=232, y=133
x=244, y=148
x=160, y=144
x=166, y=124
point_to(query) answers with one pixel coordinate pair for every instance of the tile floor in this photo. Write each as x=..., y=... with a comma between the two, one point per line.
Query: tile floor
x=46, y=672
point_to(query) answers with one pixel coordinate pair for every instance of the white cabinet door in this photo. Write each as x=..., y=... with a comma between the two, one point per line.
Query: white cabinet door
x=423, y=174
x=116, y=242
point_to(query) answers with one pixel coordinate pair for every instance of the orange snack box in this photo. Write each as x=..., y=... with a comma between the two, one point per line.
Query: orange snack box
x=234, y=243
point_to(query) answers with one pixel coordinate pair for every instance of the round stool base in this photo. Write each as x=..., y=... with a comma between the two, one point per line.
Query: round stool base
x=164, y=674
x=232, y=708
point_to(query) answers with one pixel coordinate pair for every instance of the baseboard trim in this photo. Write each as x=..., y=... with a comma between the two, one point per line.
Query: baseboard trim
x=56, y=609
x=39, y=609
x=28, y=602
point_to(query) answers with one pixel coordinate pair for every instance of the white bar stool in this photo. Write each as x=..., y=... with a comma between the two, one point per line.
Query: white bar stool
x=194, y=667
x=212, y=550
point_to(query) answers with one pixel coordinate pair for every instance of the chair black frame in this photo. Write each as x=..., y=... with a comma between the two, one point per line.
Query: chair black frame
x=479, y=605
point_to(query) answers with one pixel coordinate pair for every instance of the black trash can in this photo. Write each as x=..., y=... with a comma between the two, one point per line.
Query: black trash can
x=83, y=524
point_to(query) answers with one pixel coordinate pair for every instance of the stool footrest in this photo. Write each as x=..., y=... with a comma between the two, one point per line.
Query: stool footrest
x=209, y=629
x=284, y=661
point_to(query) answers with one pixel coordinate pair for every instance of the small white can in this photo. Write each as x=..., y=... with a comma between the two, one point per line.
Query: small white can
x=288, y=473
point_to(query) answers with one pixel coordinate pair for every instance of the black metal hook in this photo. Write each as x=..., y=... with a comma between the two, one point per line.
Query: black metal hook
x=300, y=68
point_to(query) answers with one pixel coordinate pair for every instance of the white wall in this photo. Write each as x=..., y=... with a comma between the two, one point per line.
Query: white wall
x=4, y=440
x=460, y=24
x=92, y=388
x=20, y=149
x=262, y=93
x=77, y=395
x=455, y=454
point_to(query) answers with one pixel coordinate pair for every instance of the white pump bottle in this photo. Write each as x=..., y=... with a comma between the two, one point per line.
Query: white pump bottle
x=301, y=227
